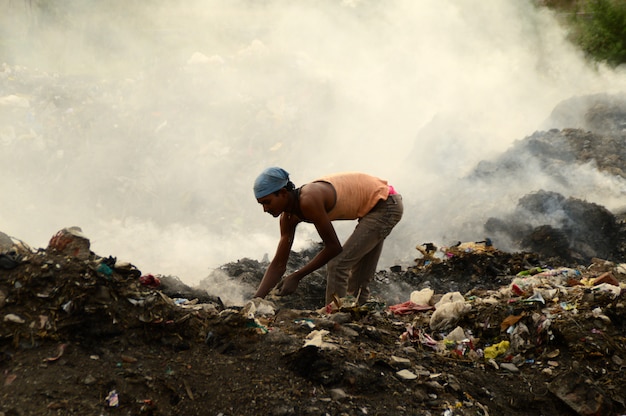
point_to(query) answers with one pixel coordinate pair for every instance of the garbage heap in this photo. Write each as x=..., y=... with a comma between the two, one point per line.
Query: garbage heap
x=527, y=338
x=42, y=299
x=557, y=328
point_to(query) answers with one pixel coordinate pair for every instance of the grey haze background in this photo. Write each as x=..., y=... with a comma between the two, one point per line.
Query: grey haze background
x=145, y=123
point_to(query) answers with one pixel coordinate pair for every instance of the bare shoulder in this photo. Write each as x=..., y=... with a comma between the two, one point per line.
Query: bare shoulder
x=317, y=191
x=316, y=197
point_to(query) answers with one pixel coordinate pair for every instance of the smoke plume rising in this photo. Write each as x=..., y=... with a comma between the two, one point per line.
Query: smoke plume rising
x=146, y=123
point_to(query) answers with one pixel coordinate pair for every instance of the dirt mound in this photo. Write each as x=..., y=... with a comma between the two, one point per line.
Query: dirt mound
x=545, y=221
x=84, y=334
x=602, y=113
x=567, y=228
x=591, y=131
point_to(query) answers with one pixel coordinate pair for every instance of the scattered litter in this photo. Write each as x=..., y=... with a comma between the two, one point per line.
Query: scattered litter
x=450, y=308
x=352, y=345
x=422, y=297
x=10, y=378
x=409, y=307
x=11, y=317
x=496, y=350
x=59, y=354
x=150, y=280
x=112, y=399
x=406, y=375
x=316, y=339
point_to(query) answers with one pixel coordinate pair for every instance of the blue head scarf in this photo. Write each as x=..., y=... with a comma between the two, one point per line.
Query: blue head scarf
x=270, y=180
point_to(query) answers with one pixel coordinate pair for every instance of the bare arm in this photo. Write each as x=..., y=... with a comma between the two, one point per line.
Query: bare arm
x=313, y=207
x=278, y=265
x=332, y=247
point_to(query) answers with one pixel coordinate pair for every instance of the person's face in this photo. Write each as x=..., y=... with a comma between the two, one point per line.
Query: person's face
x=274, y=203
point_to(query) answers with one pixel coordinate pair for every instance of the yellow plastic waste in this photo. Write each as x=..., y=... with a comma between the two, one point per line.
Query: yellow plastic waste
x=497, y=349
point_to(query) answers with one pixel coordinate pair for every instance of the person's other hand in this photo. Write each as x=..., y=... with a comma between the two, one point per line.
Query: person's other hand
x=287, y=286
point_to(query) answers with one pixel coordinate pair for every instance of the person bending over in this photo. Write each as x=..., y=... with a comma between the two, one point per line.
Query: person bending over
x=340, y=196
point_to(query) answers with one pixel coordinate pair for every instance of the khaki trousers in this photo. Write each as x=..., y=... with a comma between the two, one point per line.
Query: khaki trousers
x=353, y=269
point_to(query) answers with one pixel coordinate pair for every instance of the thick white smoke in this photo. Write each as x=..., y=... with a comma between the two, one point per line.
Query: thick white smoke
x=146, y=124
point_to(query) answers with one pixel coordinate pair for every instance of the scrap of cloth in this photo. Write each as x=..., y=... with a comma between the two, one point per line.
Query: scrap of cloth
x=270, y=180
x=408, y=308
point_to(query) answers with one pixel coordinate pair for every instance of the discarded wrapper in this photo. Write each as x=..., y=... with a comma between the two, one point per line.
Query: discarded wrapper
x=112, y=399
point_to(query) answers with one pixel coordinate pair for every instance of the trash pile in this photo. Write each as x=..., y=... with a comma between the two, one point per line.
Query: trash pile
x=524, y=339
x=68, y=292
x=85, y=334
x=468, y=329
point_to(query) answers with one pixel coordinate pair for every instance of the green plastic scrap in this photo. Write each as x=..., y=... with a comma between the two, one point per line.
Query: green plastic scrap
x=531, y=272
x=256, y=324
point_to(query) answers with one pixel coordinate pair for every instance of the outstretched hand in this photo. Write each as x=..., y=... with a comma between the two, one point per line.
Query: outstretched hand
x=287, y=286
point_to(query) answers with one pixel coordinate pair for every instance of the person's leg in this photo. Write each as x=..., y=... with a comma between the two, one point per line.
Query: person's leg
x=364, y=238
x=363, y=272
x=336, y=279
x=365, y=242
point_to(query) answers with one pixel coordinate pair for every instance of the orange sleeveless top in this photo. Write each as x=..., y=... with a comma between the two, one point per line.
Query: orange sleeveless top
x=356, y=194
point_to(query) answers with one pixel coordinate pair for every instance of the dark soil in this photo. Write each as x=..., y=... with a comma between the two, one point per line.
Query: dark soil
x=90, y=338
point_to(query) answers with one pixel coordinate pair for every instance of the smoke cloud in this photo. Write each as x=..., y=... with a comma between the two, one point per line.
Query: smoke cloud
x=146, y=123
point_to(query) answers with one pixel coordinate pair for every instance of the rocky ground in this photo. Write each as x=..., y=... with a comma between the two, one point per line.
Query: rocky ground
x=478, y=332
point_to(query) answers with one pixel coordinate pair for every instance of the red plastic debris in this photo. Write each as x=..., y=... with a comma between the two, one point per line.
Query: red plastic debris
x=150, y=281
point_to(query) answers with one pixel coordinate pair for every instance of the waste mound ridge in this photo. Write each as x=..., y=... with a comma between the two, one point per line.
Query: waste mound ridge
x=87, y=334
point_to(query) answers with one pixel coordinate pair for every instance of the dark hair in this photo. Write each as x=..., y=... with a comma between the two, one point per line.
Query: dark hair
x=289, y=187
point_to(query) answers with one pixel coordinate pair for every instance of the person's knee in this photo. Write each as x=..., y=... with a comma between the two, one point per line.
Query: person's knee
x=331, y=266
x=339, y=265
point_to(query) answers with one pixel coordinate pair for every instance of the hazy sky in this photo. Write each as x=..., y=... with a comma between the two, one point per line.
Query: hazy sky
x=147, y=127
